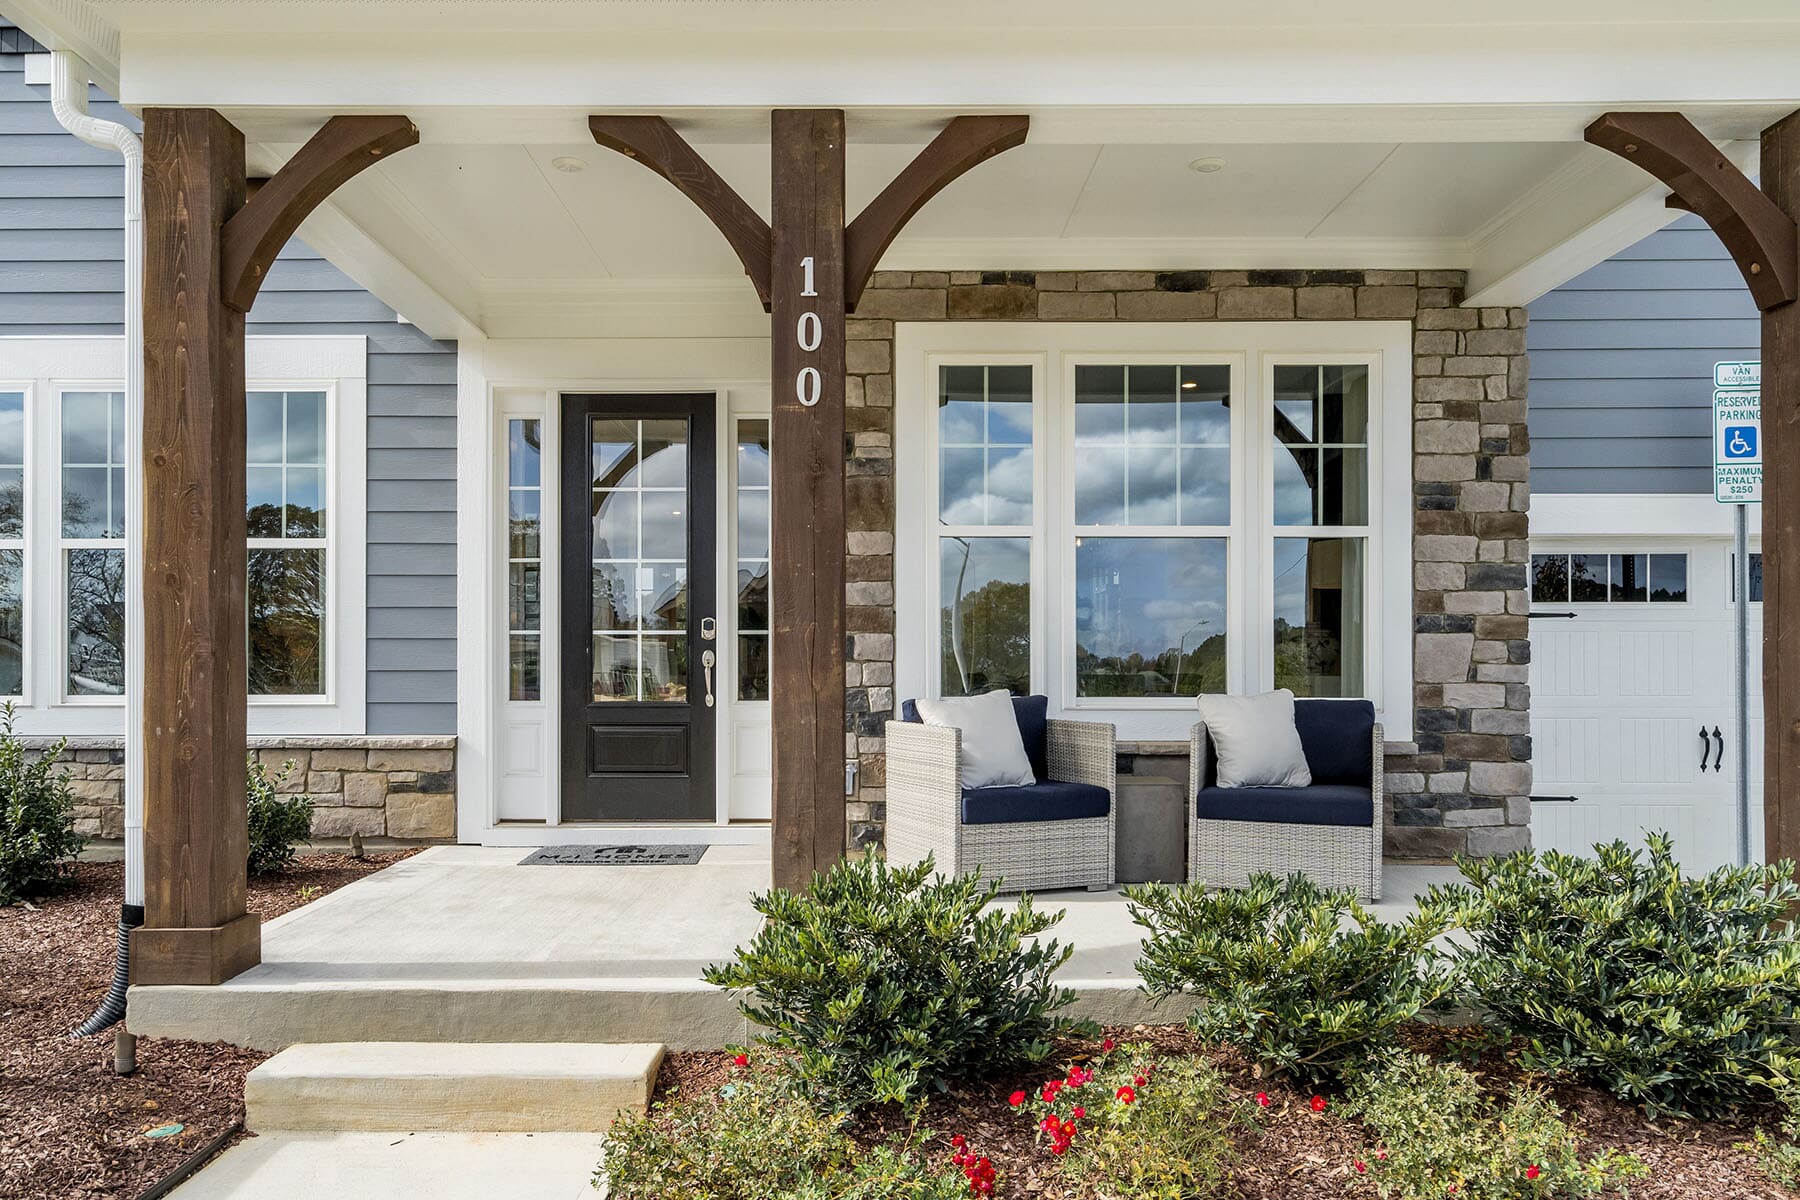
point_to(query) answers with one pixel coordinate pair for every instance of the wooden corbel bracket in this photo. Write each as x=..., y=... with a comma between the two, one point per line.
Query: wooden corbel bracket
x=255, y=234
x=963, y=144
x=1762, y=239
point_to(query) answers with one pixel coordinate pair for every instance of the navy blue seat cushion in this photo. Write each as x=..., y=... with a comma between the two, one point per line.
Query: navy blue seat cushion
x=1320, y=804
x=1032, y=714
x=1039, y=802
x=1337, y=737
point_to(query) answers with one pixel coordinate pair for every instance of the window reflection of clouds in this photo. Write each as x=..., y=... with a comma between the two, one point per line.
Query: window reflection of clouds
x=1150, y=615
x=984, y=435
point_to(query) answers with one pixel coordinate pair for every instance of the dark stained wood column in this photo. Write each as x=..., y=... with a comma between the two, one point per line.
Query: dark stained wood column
x=806, y=574
x=207, y=249
x=808, y=268
x=1781, y=520
x=1759, y=228
x=196, y=929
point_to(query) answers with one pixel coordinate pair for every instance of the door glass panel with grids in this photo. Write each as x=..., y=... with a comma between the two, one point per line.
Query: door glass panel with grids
x=640, y=649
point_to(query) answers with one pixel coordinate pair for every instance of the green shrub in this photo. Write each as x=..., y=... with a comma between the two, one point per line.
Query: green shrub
x=277, y=823
x=1303, y=978
x=883, y=981
x=1437, y=1130
x=1778, y=1153
x=1130, y=1126
x=1678, y=994
x=756, y=1139
x=38, y=842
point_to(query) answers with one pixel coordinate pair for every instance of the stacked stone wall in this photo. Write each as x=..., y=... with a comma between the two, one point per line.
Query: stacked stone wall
x=1463, y=783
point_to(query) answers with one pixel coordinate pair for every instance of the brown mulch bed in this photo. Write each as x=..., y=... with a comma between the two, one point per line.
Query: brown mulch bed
x=1295, y=1152
x=69, y=1127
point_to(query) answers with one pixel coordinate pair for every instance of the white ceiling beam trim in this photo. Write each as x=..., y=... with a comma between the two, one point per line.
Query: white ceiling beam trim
x=1614, y=66
x=1575, y=220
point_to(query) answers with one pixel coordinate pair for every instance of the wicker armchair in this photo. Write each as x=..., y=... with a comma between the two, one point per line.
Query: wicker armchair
x=926, y=810
x=1307, y=833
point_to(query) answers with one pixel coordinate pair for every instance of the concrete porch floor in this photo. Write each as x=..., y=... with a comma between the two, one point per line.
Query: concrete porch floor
x=460, y=943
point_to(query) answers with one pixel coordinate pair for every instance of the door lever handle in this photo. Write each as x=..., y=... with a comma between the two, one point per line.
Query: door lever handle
x=1719, y=758
x=707, y=659
x=1705, y=747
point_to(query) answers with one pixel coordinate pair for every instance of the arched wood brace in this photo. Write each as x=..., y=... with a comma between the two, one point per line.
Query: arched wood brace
x=965, y=143
x=255, y=234
x=654, y=142
x=1761, y=238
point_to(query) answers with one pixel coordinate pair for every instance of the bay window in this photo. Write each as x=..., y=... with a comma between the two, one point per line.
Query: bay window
x=1126, y=517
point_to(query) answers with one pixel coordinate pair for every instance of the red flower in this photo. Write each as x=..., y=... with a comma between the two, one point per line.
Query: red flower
x=1262, y=1099
x=1532, y=1171
x=1050, y=1090
x=1318, y=1104
x=1362, y=1168
x=742, y=1060
x=1048, y=1124
x=1381, y=1154
x=1107, y=1045
x=1139, y=1080
x=1081, y=1112
x=1016, y=1099
x=957, y=1141
x=1126, y=1094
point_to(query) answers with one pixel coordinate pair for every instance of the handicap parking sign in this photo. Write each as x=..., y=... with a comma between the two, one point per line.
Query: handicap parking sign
x=1740, y=443
x=1737, y=433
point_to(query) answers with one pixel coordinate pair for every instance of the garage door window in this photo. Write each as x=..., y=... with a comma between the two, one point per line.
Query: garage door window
x=1595, y=578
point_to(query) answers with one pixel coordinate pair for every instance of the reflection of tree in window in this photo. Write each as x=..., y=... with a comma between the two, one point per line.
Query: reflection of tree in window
x=985, y=615
x=287, y=622
x=96, y=622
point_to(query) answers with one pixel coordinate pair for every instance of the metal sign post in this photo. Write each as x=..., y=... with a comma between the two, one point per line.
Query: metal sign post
x=1737, y=481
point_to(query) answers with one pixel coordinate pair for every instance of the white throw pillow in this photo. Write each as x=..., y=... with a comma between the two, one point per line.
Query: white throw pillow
x=1255, y=740
x=993, y=752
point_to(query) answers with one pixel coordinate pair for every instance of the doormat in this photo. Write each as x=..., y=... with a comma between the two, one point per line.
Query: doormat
x=615, y=856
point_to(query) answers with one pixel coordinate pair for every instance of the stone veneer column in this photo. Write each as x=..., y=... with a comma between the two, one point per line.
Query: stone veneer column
x=1464, y=784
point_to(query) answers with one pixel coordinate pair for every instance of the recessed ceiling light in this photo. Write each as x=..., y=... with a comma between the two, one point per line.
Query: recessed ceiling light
x=568, y=164
x=1207, y=165
x=1189, y=385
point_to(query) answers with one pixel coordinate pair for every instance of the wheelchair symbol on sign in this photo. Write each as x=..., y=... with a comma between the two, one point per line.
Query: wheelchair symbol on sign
x=1740, y=441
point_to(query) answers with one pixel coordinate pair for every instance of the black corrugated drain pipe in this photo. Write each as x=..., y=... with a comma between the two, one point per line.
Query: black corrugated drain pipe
x=112, y=1008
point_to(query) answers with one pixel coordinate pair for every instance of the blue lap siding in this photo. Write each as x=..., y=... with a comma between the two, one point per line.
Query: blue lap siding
x=60, y=273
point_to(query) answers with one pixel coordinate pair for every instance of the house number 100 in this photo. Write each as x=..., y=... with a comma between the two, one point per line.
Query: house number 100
x=809, y=332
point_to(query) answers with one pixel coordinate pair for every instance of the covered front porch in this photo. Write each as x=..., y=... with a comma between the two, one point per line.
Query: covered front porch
x=465, y=944
x=716, y=516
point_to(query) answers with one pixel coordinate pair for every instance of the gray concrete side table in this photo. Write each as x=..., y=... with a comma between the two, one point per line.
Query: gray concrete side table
x=1151, y=829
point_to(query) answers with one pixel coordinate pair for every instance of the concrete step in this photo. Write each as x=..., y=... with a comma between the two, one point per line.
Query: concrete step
x=490, y=1087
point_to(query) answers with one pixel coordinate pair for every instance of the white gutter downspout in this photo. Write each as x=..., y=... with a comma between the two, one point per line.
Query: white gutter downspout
x=68, y=100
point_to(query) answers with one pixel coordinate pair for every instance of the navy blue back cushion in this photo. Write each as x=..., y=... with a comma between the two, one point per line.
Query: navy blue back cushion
x=1337, y=736
x=1033, y=715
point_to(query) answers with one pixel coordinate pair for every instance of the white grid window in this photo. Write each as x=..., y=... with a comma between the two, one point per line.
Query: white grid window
x=286, y=513
x=92, y=542
x=752, y=556
x=12, y=543
x=524, y=558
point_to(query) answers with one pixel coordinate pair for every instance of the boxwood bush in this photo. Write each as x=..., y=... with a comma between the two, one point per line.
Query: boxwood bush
x=1303, y=978
x=38, y=842
x=1680, y=994
x=277, y=823
x=884, y=981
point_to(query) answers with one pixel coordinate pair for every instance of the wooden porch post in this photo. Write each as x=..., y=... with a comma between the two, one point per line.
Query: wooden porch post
x=1781, y=520
x=206, y=252
x=196, y=929
x=806, y=573
x=1759, y=229
x=809, y=268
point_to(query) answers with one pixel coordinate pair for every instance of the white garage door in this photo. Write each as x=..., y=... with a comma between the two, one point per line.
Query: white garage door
x=1632, y=715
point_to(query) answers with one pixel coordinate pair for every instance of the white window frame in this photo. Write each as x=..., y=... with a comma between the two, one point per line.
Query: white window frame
x=63, y=545
x=1252, y=349
x=46, y=367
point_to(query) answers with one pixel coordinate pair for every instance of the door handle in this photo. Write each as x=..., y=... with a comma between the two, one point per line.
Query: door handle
x=707, y=659
x=1705, y=747
x=1719, y=758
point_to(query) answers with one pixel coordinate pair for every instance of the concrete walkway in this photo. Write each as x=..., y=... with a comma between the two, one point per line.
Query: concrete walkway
x=402, y=1166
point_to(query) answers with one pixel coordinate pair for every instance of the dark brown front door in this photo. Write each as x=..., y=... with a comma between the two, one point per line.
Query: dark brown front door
x=639, y=648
